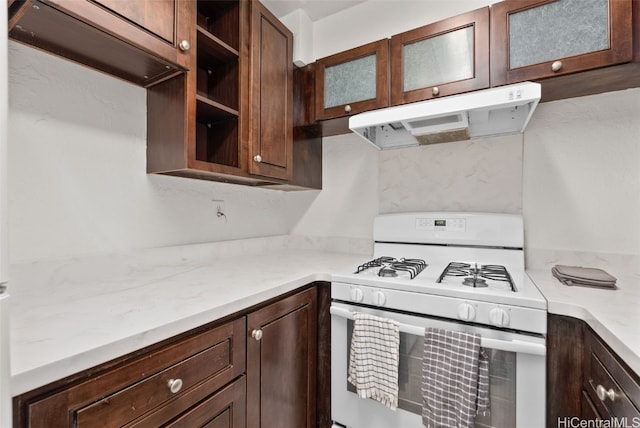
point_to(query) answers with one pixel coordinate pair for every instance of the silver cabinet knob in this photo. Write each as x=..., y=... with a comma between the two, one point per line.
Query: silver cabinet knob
x=257, y=158
x=435, y=91
x=184, y=45
x=603, y=393
x=174, y=385
x=256, y=334
x=556, y=66
x=347, y=108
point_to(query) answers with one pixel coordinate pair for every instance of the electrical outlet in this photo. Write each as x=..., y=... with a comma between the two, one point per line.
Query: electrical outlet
x=219, y=208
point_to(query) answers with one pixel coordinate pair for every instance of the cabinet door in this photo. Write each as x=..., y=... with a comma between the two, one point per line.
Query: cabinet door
x=281, y=363
x=443, y=58
x=535, y=39
x=142, y=41
x=353, y=81
x=271, y=96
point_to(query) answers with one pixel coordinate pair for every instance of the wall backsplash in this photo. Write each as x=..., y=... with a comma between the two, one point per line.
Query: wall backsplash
x=475, y=175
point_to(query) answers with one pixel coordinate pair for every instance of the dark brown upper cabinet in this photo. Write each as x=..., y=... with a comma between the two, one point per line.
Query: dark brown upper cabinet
x=229, y=118
x=537, y=39
x=271, y=96
x=444, y=58
x=140, y=41
x=352, y=81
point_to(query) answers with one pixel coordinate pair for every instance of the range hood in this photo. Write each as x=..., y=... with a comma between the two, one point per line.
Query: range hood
x=486, y=113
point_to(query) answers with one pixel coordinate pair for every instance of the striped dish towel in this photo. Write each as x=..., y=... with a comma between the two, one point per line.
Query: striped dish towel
x=455, y=379
x=374, y=357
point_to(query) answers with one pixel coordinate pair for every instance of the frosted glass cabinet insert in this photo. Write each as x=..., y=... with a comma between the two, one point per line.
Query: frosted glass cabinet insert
x=534, y=39
x=353, y=81
x=444, y=58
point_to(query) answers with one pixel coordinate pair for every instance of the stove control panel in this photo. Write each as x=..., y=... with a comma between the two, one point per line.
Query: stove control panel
x=454, y=308
x=442, y=224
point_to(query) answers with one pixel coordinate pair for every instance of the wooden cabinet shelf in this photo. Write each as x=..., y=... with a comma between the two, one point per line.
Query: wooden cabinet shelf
x=229, y=118
x=213, y=50
x=212, y=111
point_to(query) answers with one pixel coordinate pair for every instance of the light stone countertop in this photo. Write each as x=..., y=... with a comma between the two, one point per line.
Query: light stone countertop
x=613, y=314
x=68, y=316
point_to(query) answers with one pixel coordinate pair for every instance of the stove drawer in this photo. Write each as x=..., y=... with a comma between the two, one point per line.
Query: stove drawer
x=611, y=386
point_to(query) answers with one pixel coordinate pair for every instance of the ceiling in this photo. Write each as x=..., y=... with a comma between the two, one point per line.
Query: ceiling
x=315, y=9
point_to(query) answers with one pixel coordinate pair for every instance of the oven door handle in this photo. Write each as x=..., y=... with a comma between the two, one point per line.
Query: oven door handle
x=517, y=346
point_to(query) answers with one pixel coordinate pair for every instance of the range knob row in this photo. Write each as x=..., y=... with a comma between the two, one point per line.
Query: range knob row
x=497, y=316
x=377, y=297
x=466, y=311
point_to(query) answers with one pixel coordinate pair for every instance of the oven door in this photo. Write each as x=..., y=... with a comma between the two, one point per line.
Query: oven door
x=516, y=371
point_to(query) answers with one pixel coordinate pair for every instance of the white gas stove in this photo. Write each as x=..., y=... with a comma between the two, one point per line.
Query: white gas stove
x=465, y=266
x=456, y=271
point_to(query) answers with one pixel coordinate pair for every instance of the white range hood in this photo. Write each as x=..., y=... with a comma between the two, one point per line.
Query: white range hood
x=486, y=113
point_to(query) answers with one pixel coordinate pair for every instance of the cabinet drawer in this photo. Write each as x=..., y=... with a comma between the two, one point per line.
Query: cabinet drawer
x=203, y=363
x=153, y=391
x=609, y=383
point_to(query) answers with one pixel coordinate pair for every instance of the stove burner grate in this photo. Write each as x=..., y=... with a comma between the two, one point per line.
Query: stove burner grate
x=390, y=266
x=477, y=276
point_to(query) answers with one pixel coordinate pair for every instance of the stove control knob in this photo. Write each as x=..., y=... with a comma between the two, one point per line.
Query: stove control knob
x=379, y=298
x=466, y=312
x=356, y=294
x=499, y=317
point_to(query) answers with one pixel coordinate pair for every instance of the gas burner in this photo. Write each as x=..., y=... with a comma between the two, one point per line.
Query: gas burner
x=387, y=272
x=477, y=276
x=474, y=281
x=390, y=266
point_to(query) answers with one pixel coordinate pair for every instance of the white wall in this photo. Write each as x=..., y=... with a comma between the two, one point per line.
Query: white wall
x=77, y=149
x=349, y=198
x=582, y=174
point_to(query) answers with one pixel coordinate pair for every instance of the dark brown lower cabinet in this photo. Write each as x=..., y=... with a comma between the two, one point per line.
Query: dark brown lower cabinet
x=214, y=376
x=586, y=380
x=281, y=363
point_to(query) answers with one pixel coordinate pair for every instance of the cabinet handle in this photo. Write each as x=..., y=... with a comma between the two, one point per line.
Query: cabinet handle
x=184, y=45
x=347, y=108
x=175, y=385
x=256, y=334
x=435, y=91
x=603, y=394
x=556, y=66
x=257, y=158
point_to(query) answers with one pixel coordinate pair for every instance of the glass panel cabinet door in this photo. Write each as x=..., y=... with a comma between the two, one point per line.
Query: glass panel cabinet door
x=443, y=58
x=352, y=81
x=534, y=39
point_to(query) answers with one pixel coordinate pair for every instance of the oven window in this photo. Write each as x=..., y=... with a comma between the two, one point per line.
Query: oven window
x=502, y=377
